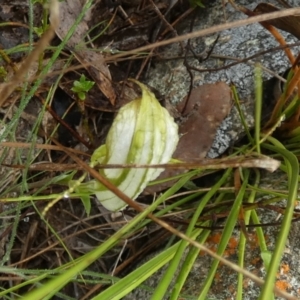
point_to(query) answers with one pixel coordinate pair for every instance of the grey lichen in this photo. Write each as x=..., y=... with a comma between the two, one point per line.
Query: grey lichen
x=172, y=79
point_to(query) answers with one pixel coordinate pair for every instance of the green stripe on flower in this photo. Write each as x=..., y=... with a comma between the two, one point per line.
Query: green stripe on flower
x=143, y=132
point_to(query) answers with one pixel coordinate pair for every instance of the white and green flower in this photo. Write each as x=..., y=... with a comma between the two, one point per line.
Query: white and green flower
x=143, y=132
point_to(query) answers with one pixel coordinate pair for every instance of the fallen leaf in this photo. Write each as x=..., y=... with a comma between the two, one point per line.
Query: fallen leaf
x=7, y=88
x=289, y=24
x=203, y=113
x=207, y=106
x=91, y=60
x=30, y=77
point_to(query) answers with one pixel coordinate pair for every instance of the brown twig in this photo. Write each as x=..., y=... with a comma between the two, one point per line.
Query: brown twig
x=39, y=146
x=165, y=225
x=267, y=26
x=62, y=122
x=8, y=88
x=213, y=29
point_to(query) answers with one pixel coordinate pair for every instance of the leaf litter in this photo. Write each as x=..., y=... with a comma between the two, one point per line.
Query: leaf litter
x=202, y=106
x=93, y=61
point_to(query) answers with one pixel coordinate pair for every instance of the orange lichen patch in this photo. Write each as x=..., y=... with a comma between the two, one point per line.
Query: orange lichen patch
x=285, y=268
x=210, y=247
x=256, y=260
x=282, y=285
x=214, y=240
x=231, y=247
x=233, y=243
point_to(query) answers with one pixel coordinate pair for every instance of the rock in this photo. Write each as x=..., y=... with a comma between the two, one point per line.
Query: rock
x=171, y=79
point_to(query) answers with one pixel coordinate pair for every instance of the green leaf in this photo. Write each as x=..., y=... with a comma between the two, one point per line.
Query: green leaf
x=76, y=86
x=85, y=198
x=266, y=257
x=81, y=95
x=195, y=3
x=82, y=86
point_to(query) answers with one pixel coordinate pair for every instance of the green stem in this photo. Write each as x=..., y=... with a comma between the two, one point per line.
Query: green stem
x=292, y=171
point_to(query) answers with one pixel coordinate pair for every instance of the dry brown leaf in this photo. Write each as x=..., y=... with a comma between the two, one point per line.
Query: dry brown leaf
x=203, y=113
x=207, y=106
x=31, y=76
x=92, y=61
x=8, y=87
x=289, y=24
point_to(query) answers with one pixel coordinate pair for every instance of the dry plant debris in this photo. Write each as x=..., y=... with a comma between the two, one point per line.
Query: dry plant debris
x=203, y=110
x=93, y=61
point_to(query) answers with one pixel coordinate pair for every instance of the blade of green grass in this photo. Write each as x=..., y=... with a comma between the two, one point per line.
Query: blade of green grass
x=168, y=276
x=241, y=114
x=45, y=71
x=78, y=265
x=292, y=172
x=135, y=278
x=188, y=263
x=227, y=232
x=258, y=106
x=9, y=245
x=243, y=240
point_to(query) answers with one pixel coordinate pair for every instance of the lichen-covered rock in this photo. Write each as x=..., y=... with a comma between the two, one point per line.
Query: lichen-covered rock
x=172, y=79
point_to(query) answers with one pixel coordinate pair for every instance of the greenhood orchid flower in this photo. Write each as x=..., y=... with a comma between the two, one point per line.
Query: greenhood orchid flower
x=143, y=132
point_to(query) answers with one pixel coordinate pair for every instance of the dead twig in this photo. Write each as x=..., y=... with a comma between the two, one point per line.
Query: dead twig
x=207, y=31
x=8, y=88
